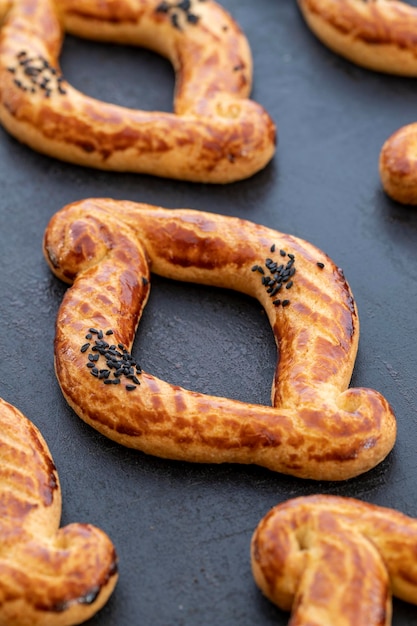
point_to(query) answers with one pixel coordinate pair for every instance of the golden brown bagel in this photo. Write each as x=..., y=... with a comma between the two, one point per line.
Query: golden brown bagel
x=380, y=35
x=50, y=576
x=317, y=427
x=216, y=134
x=335, y=561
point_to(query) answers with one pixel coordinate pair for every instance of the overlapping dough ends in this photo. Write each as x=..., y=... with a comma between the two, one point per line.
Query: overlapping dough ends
x=379, y=35
x=49, y=576
x=215, y=134
x=335, y=560
x=316, y=427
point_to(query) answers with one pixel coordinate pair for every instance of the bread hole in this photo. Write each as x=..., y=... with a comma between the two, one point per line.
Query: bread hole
x=127, y=76
x=208, y=340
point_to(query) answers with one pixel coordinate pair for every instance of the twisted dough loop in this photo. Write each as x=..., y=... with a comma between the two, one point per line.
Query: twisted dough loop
x=380, y=36
x=316, y=428
x=335, y=560
x=49, y=576
x=216, y=134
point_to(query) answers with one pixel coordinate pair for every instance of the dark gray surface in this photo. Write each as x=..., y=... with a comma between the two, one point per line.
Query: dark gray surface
x=182, y=531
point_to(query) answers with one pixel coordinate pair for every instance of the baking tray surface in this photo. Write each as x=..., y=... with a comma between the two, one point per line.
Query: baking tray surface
x=182, y=531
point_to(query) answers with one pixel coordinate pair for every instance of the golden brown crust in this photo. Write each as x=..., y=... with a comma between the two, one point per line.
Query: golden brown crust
x=376, y=34
x=216, y=134
x=398, y=165
x=335, y=560
x=316, y=428
x=49, y=576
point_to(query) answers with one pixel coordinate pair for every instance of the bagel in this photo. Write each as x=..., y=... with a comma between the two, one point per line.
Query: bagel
x=50, y=576
x=379, y=35
x=215, y=135
x=316, y=427
x=335, y=560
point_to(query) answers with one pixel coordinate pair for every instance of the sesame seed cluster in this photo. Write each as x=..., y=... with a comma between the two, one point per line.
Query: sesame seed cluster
x=119, y=362
x=36, y=75
x=181, y=10
x=276, y=275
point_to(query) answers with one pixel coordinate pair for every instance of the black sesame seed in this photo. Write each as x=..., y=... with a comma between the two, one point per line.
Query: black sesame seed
x=130, y=387
x=285, y=302
x=254, y=268
x=109, y=332
x=90, y=365
x=273, y=248
x=89, y=336
x=320, y=265
x=175, y=22
x=289, y=285
x=192, y=19
x=283, y=253
x=94, y=331
x=85, y=347
x=276, y=302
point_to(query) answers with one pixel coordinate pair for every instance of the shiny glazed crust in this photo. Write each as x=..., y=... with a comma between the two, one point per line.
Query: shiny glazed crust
x=380, y=35
x=316, y=427
x=215, y=134
x=333, y=560
x=50, y=576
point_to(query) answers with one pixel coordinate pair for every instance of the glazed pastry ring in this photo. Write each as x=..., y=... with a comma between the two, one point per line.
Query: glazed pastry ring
x=215, y=134
x=335, y=560
x=50, y=576
x=380, y=35
x=316, y=427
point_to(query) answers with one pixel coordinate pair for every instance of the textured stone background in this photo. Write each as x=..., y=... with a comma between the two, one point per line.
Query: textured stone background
x=182, y=532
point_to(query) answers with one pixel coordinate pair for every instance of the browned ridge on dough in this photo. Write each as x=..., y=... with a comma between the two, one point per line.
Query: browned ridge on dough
x=50, y=576
x=335, y=561
x=317, y=427
x=216, y=134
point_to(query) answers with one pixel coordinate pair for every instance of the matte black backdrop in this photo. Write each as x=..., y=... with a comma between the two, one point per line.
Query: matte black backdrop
x=182, y=531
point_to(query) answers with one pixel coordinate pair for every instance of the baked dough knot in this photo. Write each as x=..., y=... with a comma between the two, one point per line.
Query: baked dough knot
x=50, y=576
x=379, y=35
x=316, y=428
x=335, y=560
x=216, y=134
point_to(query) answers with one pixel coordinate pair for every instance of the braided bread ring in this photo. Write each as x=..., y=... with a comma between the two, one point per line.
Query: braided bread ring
x=379, y=35
x=216, y=134
x=49, y=576
x=316, y=428
x=335, y=560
